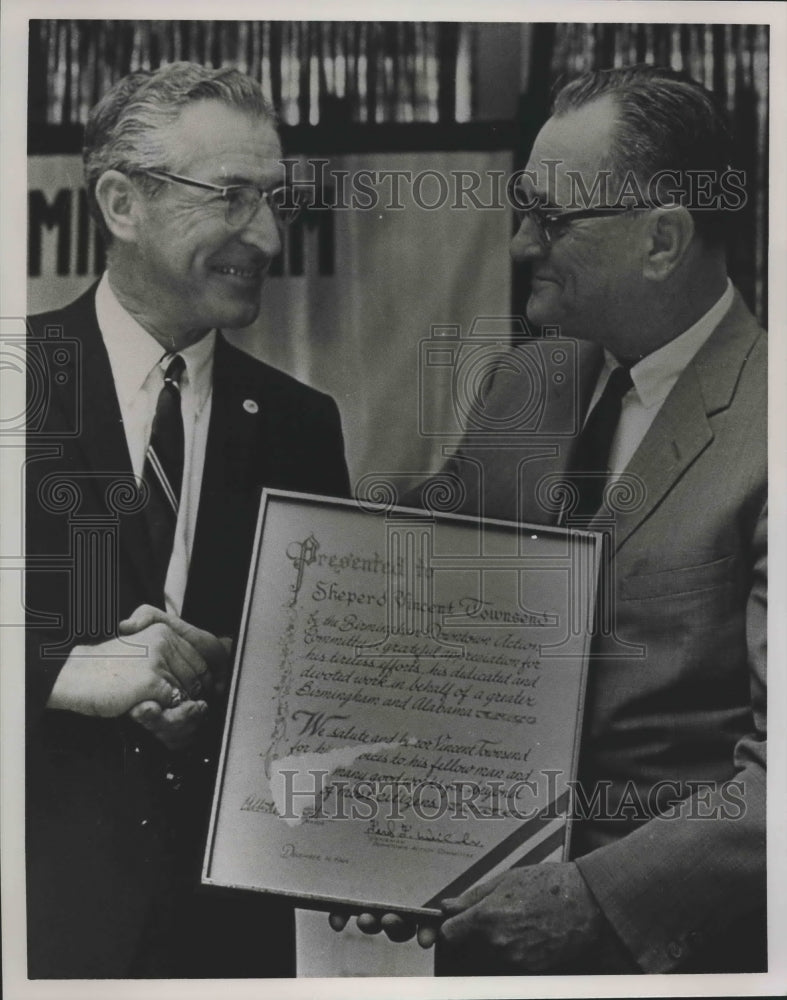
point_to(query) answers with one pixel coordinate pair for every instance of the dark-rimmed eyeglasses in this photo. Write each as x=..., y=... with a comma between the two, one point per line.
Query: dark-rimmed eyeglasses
x=242, y=201
x=553, y=223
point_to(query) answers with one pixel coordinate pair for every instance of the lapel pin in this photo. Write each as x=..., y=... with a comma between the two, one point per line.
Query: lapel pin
x=251, y=406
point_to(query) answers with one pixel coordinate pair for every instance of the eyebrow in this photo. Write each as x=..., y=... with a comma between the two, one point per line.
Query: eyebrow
x=542, y=198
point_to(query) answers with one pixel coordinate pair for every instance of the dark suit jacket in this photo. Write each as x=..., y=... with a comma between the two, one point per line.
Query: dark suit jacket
x=685, y=893
x=113, y=846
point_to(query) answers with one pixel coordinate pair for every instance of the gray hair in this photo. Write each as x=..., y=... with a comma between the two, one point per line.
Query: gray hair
x=666, y=121
x=126, y=130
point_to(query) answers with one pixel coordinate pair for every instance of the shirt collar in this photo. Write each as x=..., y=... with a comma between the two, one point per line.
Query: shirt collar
x=655, y=374
x=134, y=353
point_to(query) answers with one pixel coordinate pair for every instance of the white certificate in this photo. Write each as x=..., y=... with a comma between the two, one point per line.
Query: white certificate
x=404, y=717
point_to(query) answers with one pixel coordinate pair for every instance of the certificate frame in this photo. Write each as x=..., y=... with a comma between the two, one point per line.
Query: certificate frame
x=245, y=849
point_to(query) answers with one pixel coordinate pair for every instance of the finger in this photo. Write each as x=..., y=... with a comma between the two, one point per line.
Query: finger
x=146, y=713
x=460, y=928
x=156, y=719
x=176, y=726
x=187, y=666
x=214, y=651
x=160, y=689
x=368, y=923
x=338, y=921
x=427, y=935
x=141, y=617
x=469, y=898
x=168, y=655
x=398, y=928
x=186, y=712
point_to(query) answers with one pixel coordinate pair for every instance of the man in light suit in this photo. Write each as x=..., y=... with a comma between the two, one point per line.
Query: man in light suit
x=668, y=853
x=129, y=635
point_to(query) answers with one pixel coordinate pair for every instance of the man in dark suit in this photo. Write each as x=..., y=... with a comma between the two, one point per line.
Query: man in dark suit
x=145, y=466
x=669, y=394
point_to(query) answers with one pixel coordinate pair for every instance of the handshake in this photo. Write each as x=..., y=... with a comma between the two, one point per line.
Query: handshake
x=159, y=670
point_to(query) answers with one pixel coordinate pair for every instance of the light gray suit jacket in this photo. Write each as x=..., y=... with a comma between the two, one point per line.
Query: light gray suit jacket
x=689, y=588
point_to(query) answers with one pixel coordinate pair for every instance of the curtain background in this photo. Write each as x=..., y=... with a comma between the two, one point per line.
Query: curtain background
x=350, y=71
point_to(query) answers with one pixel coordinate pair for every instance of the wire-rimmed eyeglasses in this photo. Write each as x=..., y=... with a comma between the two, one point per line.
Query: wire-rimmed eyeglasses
x=242, y=201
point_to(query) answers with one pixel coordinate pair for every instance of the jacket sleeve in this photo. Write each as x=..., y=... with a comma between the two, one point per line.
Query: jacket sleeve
x=680, y=880
x=47, y=599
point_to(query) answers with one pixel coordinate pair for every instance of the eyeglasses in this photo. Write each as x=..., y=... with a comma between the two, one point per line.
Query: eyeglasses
x=552, y=224
x=242, y=201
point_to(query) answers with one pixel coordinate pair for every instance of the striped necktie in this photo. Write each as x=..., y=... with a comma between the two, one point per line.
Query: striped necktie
x=163, y=470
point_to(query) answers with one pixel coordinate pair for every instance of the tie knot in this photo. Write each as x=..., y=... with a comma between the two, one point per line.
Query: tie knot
x=174, y=372
x=619, y=381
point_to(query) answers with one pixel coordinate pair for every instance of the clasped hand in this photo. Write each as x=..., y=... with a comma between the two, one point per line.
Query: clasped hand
x=155, y=655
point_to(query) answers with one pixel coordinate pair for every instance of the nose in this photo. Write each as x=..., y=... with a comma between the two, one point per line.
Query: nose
x=263, y=231
x=527, y=243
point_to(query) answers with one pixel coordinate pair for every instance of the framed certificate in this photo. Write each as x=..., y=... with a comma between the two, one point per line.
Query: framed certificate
x=404, y=717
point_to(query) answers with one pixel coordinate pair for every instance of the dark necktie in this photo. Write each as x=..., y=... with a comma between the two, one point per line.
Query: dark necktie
x=589, y=466
x=163, y=471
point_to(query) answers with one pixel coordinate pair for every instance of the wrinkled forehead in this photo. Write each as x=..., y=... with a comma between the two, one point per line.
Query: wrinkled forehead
x=574, y=144
x=228, y=143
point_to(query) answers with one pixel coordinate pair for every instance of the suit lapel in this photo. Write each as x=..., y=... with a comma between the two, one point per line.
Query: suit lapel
x=679, y=433
x=235, y=458
x=682, y=430
x=101, y=443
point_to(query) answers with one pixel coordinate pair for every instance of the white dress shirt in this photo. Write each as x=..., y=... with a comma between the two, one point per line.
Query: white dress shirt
x=653, y=378
x=138, y=364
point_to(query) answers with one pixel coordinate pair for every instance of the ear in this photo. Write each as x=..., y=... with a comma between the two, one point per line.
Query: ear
x=671, y=231
x=120, y=203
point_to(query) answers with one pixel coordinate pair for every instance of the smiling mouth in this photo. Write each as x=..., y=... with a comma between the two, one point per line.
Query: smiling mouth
x=239, y=272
